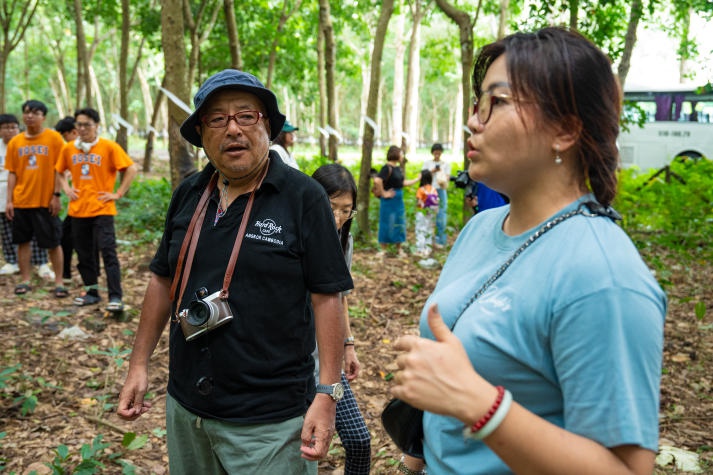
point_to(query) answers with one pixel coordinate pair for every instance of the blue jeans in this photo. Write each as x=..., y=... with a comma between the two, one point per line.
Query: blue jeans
x=442, y=217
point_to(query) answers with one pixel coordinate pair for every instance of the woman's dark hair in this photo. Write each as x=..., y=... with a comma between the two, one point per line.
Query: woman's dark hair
x=280, y=140
x=572, y=84
x=426, y=177
x=394, y=153
x=337, y=180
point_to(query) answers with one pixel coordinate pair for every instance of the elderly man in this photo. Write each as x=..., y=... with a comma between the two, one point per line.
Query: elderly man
x=248, y=241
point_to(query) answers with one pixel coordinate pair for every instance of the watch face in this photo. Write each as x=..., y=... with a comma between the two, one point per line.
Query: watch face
x=338, y=392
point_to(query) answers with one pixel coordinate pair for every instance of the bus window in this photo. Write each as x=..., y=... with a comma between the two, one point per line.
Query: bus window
x=675, y=122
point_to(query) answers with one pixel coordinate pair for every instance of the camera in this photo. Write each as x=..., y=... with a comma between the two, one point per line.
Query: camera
x=462, y=179
x=204, y=314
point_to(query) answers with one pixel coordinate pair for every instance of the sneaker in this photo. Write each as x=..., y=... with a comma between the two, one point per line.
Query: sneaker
x=45, y=272
x=9, y=269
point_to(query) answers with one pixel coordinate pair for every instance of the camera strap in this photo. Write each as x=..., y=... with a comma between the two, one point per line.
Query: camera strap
x=194, y=230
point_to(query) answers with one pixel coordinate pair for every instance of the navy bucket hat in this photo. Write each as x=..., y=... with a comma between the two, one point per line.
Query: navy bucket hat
x=232, y=79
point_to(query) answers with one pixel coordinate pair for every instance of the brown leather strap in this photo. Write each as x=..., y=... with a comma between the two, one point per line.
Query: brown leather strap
x=194, y=229
x=199, y=213
x=239, y=238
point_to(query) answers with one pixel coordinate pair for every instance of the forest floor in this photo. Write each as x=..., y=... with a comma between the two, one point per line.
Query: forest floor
x=73, y=384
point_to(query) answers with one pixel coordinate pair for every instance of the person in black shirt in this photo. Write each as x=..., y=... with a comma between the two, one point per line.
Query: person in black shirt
x=241, y=390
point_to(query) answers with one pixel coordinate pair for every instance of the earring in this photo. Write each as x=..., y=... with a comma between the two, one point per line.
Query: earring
x=558, y=159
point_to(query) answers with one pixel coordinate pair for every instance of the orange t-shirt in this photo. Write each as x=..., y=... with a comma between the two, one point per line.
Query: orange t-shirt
x=33, y=161
x=93, y=172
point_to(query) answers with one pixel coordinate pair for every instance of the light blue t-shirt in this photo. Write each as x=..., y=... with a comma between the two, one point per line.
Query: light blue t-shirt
x=573, y=328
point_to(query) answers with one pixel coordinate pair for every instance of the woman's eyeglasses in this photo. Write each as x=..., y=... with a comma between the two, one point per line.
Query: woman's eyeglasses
x=483, y=105
x=344, y=213
x=217, y=120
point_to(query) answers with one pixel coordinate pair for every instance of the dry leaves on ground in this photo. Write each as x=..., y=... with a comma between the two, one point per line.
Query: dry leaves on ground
x=75, y=383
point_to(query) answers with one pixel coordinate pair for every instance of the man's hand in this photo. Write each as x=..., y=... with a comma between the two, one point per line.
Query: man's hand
x=351, y=363
x=318, y=427
x=131, y=398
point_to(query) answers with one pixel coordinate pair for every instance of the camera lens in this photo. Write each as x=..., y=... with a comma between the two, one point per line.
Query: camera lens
x=198, y=313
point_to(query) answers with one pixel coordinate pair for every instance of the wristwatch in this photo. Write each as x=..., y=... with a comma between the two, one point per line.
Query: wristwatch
x=335, y=391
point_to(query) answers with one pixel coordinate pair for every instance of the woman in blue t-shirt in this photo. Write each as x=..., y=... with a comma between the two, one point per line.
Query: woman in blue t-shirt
x=542, y=342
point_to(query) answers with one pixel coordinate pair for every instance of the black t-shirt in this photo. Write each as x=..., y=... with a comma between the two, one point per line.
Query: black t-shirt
x=257, y=367
x=392, y=176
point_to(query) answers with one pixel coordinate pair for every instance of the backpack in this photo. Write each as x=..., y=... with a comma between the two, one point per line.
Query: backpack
x=374, y=190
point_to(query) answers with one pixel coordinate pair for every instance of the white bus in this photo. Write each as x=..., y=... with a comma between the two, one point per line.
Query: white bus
x=677, y=122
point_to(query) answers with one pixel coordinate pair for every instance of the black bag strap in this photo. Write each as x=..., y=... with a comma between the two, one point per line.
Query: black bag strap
x=587, y=208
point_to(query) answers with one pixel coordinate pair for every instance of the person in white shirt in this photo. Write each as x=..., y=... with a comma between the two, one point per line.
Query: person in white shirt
x=9, y=127
x=441, y=172
x=284, y=142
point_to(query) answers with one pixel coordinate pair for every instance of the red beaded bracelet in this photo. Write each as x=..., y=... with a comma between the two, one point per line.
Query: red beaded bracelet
x=488, y=415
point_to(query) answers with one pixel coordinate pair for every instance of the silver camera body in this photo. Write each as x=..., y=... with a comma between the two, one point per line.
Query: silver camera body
x=204, y=314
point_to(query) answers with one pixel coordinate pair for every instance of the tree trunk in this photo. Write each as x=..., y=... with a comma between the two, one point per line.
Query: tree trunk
x=236, y=59
x=122, y=135
x=503, y=19
x=413, y=77
x=284, y=16
x=322, y=85
x=397, y=97
x=176, y=81
x=84, y=89
x=573, y=13
x=629, y=41
x=465, y=30
x=330, y=61
x=148, y=152
x=12, y=33
x=387, y=8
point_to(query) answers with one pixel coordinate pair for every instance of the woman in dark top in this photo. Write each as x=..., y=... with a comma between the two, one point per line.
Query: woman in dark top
x=392, y=212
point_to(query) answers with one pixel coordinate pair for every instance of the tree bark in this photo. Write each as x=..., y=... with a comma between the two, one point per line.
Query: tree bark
x=285, y=15
x=12, y=34
x=387, y=8
x=413, y=77
x=465, y=30
x=330, y=62
x=84, y=88
x=629, y=41
x=236, y=59
x=322, y=85
x=122, y=135
x=176, y=81
x=397, y=96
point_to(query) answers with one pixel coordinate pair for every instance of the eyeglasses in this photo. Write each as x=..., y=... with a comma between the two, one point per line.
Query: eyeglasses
x=218, y=120
x=483, y=105
x=84, y=125
x=344, y=213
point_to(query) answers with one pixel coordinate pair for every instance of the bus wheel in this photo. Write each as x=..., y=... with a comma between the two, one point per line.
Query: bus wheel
x=689, y=155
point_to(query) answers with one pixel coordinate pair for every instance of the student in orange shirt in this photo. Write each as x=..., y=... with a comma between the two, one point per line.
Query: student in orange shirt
x=33, y=193
x=94, y=163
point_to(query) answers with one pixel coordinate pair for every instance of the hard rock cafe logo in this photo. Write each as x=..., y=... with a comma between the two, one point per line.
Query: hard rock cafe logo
x=268, y=227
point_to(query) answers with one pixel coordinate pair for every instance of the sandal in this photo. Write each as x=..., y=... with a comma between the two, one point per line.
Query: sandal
x=22, y=289
x=86, y=299
x=61, y=292
x=115, y=305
